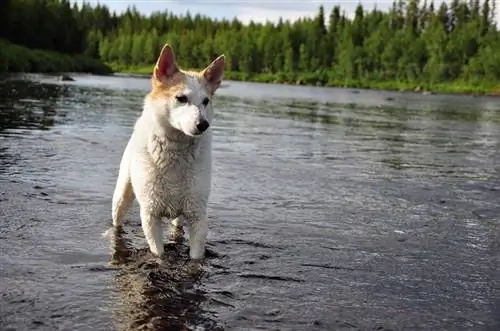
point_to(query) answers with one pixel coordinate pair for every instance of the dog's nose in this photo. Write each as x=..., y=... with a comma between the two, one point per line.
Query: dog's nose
x=202, y=126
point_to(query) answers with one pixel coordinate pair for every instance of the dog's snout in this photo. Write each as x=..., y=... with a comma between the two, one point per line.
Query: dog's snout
x=202, y=125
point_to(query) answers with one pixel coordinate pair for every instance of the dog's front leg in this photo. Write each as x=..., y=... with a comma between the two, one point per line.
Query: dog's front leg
x=197, y=230
x=153, y=231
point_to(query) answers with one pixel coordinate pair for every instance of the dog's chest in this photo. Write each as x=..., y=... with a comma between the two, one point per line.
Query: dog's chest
x=174, y=167
x=178, y=175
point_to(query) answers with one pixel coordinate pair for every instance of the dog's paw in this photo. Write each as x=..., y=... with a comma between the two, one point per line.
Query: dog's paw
x=195, y=268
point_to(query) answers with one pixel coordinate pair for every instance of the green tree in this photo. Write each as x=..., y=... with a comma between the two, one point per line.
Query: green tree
x=416, y=41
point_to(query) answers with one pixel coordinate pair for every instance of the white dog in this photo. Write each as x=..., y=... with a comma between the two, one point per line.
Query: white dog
x=167, y=162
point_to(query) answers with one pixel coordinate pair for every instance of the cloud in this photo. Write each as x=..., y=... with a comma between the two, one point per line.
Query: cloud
x=247, y=14
x=247, y=10
x=261, y=11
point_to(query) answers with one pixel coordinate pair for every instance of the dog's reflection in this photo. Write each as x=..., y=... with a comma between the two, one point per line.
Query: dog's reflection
x=156, y=294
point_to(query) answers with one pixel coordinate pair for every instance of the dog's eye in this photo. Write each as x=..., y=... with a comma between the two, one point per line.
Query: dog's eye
x=182, y=98
x=205, y=101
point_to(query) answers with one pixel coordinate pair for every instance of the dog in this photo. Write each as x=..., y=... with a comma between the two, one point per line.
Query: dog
x=167, y=162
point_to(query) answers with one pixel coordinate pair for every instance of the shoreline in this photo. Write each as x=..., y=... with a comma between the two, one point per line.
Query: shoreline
x=16, y=59
x=311, y=79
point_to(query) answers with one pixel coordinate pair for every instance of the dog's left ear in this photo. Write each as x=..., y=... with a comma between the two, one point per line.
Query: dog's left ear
x=214, y=71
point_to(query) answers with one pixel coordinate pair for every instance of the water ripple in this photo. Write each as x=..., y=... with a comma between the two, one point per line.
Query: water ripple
x=329, y=210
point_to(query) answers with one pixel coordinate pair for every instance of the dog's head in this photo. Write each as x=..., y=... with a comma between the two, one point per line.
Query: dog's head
x=183, y=99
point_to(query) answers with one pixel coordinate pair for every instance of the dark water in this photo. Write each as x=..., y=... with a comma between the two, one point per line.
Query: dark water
x=330, y=210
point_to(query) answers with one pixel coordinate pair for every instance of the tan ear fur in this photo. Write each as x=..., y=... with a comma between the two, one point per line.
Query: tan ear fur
x=166, y=65
x=214, y=72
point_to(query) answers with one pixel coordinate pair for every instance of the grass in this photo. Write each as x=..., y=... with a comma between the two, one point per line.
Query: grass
x=324, y=79
x=16, y=58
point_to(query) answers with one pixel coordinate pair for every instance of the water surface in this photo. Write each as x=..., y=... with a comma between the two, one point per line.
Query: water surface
x=331, y=209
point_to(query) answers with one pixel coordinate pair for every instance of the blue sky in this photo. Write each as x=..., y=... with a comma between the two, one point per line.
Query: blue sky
x=245, y=10
x=256, y=10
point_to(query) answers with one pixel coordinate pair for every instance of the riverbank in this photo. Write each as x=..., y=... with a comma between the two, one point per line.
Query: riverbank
x=322, y=79
x=16, y=58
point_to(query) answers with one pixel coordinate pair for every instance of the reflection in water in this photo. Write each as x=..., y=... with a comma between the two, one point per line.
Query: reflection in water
x=29, y=105
x=158, y=294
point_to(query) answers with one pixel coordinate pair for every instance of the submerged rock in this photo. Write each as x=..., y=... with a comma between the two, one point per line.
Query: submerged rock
x=66, y=78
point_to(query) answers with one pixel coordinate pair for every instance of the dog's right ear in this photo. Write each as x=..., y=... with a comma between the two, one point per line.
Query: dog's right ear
x=166, y=65
x=213, y=73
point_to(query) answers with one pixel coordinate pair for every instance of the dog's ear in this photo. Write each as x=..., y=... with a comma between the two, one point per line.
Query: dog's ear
x=166, y=65
x=214, y=71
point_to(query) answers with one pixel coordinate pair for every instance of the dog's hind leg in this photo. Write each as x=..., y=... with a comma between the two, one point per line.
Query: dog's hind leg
x=122, y=197
x=153, y=231
x=176, y=231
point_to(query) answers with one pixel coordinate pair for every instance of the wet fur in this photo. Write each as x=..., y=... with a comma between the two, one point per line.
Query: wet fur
x=167, y=164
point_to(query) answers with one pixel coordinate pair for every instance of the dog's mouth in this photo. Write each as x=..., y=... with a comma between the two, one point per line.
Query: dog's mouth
x=198, y=131
x=194, y=133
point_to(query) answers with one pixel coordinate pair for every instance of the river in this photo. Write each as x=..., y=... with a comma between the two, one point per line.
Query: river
x=331, y=209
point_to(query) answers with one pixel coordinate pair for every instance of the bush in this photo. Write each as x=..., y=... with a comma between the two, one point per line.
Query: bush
x=16, y=58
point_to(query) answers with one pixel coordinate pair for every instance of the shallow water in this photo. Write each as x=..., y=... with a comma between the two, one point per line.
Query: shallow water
x=331, y=209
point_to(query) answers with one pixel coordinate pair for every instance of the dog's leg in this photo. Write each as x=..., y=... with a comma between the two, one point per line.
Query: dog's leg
x=176, y=230
x=198, y=230
x=153, y=231
x=123, y=194
x=178, y=222
x=122, y=197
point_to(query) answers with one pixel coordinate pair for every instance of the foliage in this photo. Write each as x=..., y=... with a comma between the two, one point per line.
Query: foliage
x=44, y=36
x=16, y=58
x=416, y=43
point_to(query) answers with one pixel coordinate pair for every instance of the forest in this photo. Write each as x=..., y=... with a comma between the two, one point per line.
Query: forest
x=415, y=45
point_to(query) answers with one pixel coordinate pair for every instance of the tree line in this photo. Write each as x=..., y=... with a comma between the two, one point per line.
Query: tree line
x=415, y=41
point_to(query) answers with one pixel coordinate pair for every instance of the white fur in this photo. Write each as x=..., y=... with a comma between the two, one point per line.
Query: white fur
x=168, y=169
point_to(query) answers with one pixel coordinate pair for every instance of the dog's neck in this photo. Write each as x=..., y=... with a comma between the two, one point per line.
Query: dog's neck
x=166, y=150
x=173, y=141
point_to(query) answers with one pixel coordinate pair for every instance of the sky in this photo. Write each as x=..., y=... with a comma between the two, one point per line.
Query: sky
x=244, y=10
x=247, y=10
